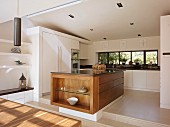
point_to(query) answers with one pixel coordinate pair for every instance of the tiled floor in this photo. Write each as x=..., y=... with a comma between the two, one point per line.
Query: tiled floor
x=141, y=105
x=46, y=97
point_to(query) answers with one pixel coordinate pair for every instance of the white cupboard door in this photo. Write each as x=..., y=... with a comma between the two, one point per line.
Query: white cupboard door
x=49, y=59
x=128, y=78
x=165, y=82
x=83, y=51
x=139, y=79
x=153, y=80
x=66, y=44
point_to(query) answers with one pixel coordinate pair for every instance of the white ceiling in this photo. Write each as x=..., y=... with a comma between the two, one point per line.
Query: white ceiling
x=107, y=20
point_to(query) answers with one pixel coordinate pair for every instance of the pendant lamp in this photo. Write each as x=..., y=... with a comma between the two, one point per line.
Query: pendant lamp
x=17, y=28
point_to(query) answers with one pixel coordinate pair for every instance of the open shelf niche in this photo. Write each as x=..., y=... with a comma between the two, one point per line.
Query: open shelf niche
x=64, y=87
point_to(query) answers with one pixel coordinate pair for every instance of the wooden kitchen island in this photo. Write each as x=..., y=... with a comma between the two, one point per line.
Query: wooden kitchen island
x=103, y=88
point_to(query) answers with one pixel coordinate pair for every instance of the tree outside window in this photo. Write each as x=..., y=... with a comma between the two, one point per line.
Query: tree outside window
x=125, y=57
x=151, y=57
x=103, y=58
x=114, y=58
x=138, y=57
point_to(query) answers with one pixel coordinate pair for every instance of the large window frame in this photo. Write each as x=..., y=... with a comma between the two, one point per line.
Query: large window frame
x=119, y=52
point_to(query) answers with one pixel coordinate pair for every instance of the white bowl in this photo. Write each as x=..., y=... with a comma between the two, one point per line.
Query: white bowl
x=72, y=100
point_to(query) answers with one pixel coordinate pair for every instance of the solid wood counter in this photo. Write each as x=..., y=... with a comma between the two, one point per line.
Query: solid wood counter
x=102, y=90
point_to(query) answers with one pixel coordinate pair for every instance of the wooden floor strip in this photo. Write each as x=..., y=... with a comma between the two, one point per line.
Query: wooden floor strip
x=17, y=115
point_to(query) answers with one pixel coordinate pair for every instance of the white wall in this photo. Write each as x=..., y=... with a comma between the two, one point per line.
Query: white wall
x=6, y=29
x=142, y=43
x=26, y=7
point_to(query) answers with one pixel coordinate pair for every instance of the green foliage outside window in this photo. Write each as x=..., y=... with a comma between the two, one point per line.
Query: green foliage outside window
x=151, y=57
x=114, y=58
x=127, y=56
x=103, y=58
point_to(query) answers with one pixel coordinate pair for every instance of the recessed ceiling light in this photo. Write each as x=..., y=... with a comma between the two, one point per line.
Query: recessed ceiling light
x=131, y=23
x=139, y=35
x=119, y=5
x=91, y=29
x=71, y=16
x=104, y=38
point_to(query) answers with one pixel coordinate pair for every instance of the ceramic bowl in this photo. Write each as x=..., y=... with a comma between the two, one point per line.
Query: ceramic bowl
x=72, y=100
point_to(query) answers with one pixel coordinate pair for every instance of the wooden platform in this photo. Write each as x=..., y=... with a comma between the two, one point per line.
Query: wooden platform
x=18, y=115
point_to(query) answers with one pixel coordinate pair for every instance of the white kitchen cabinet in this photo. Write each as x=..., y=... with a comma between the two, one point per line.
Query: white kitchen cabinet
x=139, y=79
x=83, y=51
x=128, y=78
x=56, y=57
x=153, y=80
x=165, y=60
x=146, y=80
x=4, y=96
x=50, y=59
x=28, y=96
x=101, y=46
x=51, y=53
x=20, y=97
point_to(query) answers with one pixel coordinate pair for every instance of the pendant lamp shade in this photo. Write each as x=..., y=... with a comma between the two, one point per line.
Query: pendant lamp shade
x=17, y=31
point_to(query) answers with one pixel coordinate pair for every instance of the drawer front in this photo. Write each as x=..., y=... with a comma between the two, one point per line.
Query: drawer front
x=16, y=96
x=110, y=84
x=28, y=96
x=21, y=101
x=4, y=96
x=109, y=77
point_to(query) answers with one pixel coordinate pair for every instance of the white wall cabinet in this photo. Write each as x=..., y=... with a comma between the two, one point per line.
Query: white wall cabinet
x=83, y=51
x=51, y=53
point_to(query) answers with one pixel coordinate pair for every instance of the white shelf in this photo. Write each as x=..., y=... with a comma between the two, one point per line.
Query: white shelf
x=11, y=42
x=14, y=66
x=14, y=54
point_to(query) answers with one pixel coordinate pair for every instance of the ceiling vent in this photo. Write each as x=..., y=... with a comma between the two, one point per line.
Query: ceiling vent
x=119, y=5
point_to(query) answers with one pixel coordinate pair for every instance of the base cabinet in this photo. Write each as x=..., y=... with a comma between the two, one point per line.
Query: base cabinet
x=153, y=80
x=128, y=78
x=146, y=80
x=20, y=97
x=139, y=79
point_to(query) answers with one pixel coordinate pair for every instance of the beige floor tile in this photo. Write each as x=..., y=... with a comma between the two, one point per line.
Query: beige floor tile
x=141, y=105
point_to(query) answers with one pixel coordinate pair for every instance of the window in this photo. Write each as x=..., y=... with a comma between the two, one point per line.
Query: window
x=114, y=58
x=138, y=57
x=125, y=57
x=151, y=57
x=103, y=58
